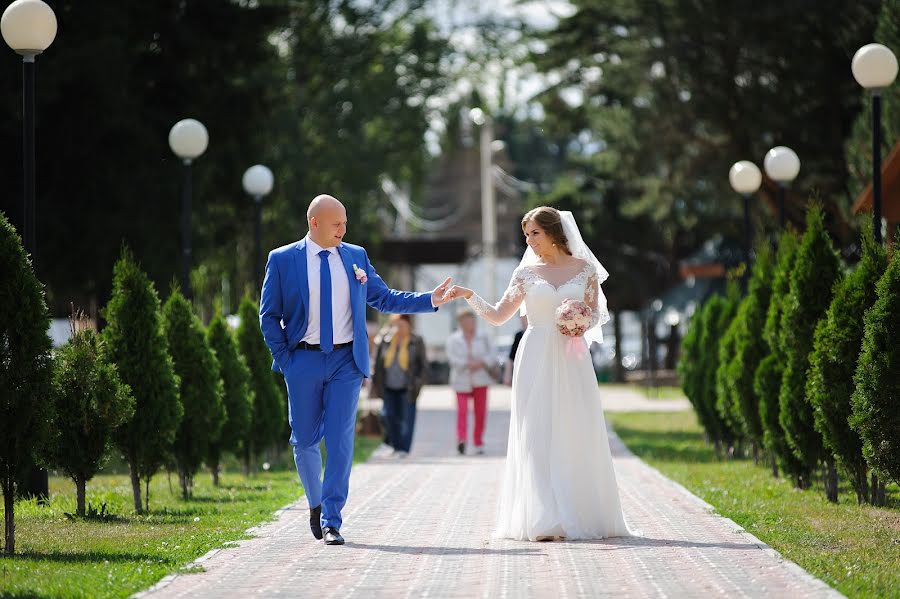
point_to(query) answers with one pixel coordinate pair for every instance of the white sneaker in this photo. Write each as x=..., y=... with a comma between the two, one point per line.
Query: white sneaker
x=382, y=451
x=401, y=454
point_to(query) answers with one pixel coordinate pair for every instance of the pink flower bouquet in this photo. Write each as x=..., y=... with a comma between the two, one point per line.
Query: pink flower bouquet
x=573, y=319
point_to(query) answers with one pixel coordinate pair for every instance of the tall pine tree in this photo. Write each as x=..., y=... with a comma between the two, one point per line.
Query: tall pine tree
x=836, y=349
x=200, y=388
x=875, y=414
x=25, y=372
x=817, y=268
x=767, y=379
x=238, y=397
x=269, y=412
x=750, y=347
x=136, y=343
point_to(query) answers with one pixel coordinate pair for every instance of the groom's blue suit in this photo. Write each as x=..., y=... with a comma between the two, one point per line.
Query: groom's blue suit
x=323, y=388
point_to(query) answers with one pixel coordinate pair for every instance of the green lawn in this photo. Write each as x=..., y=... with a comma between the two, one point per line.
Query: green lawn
x=58, y=557
x=856, y=549
x=661, y=392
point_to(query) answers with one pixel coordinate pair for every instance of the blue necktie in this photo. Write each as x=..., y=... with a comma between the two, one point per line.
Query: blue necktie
x=326, y=334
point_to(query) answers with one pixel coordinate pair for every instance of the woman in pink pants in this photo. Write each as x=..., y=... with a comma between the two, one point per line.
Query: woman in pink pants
x=471, y=355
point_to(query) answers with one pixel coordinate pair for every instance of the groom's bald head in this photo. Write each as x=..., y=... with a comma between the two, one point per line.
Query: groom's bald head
x=327, y=220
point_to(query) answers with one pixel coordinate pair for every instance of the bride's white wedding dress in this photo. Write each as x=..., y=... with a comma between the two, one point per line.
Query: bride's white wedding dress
x=559, y=478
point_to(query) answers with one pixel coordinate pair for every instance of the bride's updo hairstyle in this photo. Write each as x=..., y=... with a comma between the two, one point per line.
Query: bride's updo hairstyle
x=549, y=221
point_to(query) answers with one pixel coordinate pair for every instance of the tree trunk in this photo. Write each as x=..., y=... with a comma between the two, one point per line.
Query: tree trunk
x=80, y=484
x=754, y=447
x=182, y=480
x=774, y=464
x=215, y=473
x=618, y=367
x=136, y=486
x=147, y=494
x=878, y=491
x=9, y=499
x=831, y=480
x=861, y=484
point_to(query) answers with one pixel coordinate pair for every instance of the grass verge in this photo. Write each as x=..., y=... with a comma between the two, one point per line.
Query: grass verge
x=60, y=557
x=855, y=549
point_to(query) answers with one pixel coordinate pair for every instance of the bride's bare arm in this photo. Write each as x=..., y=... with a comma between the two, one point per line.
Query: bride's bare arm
x=502, y=310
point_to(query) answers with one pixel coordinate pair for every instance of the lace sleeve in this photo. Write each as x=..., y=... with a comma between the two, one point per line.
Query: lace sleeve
x=593, y=297
x=506, y=307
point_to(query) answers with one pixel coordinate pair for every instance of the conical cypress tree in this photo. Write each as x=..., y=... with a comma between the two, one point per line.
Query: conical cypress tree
x=269, y=411
x=689, y=361
x=726, y=397
x=91, y=402
x=238, y=396
x=836, y=349
x=750, y=347
x=816, y=270
x=767, y=379
x=876, y=416
x=716, y=318
x=200, y=388
x=137, y=345
x=25, y=372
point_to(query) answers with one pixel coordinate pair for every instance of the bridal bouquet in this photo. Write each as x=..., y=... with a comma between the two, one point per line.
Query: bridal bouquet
x=573, y=319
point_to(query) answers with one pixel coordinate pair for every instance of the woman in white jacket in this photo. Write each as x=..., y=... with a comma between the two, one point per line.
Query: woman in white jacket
x=471, y=357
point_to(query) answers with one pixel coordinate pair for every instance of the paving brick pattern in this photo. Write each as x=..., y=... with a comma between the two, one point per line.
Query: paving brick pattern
x=421, y=527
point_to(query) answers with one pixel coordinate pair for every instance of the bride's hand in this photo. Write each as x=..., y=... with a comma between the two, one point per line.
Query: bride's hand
x=458, y=291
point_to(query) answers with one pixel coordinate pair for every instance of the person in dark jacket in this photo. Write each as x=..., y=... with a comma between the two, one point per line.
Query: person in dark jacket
x=398, y=376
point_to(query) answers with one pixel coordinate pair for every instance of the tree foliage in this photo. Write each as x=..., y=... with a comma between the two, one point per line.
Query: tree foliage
x=237, y=396
x=138, y=346
x=750, y=347
x=25, y=371
x=836, y=348
x=875, y=415
x=91, y=401
x=816, y=270
x=331, y=95
x=767, y=379
x=200, y=388
x=269, y=411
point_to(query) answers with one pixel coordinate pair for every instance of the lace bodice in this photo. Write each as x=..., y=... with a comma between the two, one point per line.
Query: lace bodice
x=541, y=298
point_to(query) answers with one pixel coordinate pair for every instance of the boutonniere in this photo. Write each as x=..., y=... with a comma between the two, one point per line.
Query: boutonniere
x=360, y=274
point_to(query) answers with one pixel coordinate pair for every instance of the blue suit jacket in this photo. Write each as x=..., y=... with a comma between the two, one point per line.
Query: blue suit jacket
x=283, y=314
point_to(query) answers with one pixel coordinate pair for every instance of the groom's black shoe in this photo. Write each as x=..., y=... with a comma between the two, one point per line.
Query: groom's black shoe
x=315, y=521
x=333, y=536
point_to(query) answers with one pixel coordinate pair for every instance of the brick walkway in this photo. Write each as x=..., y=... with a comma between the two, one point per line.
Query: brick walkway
x=420, y=527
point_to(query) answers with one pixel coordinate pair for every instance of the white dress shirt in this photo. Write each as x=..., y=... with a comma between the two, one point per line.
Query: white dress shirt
x=341, y=313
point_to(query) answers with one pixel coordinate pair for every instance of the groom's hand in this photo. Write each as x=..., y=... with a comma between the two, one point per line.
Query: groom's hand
x=439, y=295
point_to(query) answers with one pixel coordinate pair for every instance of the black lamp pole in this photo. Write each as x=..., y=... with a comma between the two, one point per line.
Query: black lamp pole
x=782, y=190
x=38, y=484
x=876, y=164
x=257, y=236
x=186, y=230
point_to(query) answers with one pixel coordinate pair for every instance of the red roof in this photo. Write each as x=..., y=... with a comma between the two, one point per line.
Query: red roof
x=890, y=189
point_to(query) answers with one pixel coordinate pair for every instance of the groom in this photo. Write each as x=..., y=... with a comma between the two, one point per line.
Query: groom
x=313, y=316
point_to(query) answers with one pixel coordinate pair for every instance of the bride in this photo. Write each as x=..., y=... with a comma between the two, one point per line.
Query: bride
x=559, y=480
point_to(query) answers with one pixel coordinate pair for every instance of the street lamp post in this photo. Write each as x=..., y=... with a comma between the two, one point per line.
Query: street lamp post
x=782, y=165
x=258, y=181
x=29, y=27
x=745, y=179
x=875, y=68
x=488, y=206
x=188, y=139
x=672, y=318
